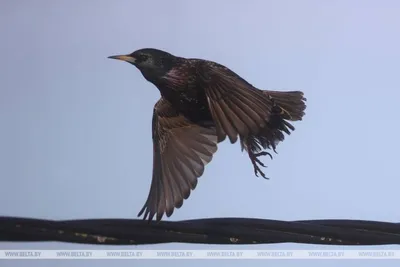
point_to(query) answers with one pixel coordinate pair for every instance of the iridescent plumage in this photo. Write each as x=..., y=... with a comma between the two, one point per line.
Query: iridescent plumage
x=203, y=102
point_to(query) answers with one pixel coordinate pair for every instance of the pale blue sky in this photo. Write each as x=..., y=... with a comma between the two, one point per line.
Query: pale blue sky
x=76, y=127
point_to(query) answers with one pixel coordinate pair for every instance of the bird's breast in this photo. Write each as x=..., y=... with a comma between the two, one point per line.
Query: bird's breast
x=179, y=87
x=191, y=103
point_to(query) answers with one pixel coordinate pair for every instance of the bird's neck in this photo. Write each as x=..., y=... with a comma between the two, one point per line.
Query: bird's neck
x=152, y=75
x=156, y=75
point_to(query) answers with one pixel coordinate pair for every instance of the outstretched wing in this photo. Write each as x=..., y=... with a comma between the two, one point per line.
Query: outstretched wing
x=237, y=107
x=181, y=149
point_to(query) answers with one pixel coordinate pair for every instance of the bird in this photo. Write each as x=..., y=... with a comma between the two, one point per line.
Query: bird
x=201, y=104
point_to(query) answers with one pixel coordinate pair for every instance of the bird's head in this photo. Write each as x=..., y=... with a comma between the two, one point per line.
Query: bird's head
x=151, y=62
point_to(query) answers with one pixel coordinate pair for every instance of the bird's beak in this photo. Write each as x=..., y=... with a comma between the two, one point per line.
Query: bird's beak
x=126, y=58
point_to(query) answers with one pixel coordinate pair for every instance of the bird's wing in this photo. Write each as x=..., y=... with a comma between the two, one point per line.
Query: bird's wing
x=181, y=150
x=236, y=106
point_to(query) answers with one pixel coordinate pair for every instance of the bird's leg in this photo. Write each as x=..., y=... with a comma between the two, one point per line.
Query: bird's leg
x=254, y=160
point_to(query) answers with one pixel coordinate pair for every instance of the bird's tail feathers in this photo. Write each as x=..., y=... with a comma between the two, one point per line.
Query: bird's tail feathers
x=290, y=105
x=287, y=106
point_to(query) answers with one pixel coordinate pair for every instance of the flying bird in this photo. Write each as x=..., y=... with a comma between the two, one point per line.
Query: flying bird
x=202, y=103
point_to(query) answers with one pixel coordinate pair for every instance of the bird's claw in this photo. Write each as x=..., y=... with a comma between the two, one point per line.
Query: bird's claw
x=263, y=153
x=254, y=160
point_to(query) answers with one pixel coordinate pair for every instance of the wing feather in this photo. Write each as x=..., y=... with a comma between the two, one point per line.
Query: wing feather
x=236, y=106
x=181, y=150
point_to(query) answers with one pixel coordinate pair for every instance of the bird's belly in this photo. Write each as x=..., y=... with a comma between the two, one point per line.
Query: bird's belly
x=192, y=106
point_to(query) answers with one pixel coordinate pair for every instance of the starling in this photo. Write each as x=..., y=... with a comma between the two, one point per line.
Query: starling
x=203, y=102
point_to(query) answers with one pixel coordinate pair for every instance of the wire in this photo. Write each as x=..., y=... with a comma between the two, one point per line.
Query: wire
x=202, y=231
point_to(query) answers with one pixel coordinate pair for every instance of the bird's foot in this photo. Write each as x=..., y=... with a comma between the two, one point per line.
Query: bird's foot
x=256, y=162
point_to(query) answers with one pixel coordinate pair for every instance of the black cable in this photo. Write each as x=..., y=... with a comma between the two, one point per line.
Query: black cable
x=204, y=231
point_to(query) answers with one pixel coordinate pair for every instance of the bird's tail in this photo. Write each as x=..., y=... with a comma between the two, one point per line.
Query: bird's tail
x=288, y=106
